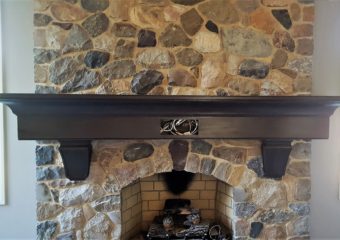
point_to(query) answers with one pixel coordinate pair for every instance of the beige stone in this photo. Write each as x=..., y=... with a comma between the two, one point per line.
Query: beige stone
x=275, y=3
x=302, y=30
x=172, y=13
x=40, y=73
x=63, y=11
x=213, y=72
x=147, y=17
x=206, y=42
x=233, y=63
x=106, y=42
x=55, y=37
x=295, y=11
x=299, y=169
x=39, y=36
x=269, y=194
x=282, y=81
x=308, y=13
x=236, y=175
x=119, y=9
x=88, y=212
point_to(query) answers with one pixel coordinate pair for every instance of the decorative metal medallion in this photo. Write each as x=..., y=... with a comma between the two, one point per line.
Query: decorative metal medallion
x=181, y=127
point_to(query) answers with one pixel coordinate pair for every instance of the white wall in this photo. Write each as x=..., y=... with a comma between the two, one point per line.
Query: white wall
x=17, y=218
x=325, y=216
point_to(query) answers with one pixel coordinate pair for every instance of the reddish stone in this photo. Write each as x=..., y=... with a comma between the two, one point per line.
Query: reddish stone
x=308, y=14
x=302, y=30
x=305, y=46
x=263, y=20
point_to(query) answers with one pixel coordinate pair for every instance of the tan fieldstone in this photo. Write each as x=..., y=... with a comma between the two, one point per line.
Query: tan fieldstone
x=191, y=21
x=299, y=169
x=303, y=189
x=41, y=5
x=39, y=36
x=284, y=82
x=269, y=194
x=66, y=12
x=302, y=30
x=119, y=9
x=308, y=13
x=105, y=42
x=234, y=155
x=303, y=83
x=262, y=19
x=222, y=171
x=295, y=11
x=88, y=212
x=156, y=58
x=236, y=173
x=125, y=173
x=173, y=13
x=241, y=227
x=233, y=64
x=247, y=5
x=206, y=42
x=244, y=86
x=213, y=72
x=279, y=59
x=274, y=232
x=40, y=73
x=180, y=77
x=147, y=16
x=275, y=3
x=305, y=46
x=221, y=11
x=162, y=160
x=145, y=168
x=47, y=210
x=55, y=37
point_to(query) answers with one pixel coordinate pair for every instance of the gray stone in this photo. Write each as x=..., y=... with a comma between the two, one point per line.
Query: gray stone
x=244, y=209
x=256, y=164
x=298, y=227
x=124, y=49
x=41, y=20
x=119, y=69
x=211, y=26
x=282, y=39
x=282, y=15
x=239, y=194
x=49, y=173
x=55, y=195
x=95, y=5
x=303, y=190
x=299, y=169
x=179, y=151
x=201, y=147
x=47, y=210
x=138, y=151
x=146, y=38
x=43, y=193
x=99, y=227
x=246, y=42
x=191, y=21
x=254, y=69
x=44, y=155
x=71, y=219
x=46, y=230
x=279, y=59
x=96, y=59
x=187, y=2
x=96, y=24
x=301, y=150
x=301, y=65
x=107, y=204
x=189, y=57
x=84, y=79
x=63, y=69
x=180, y=77
x=67, y=236
x=306, y=1
x=40, y=89
x=77, y=40
x=144, y=81
x=80, y=194
x=207, y=166
x=174, y=36
x=300, y=208
x=274, y=216
x=42, y=56
x=231, y=154
x=220, y=11
x=124, y=30
x=156, y=58
x=255, y=229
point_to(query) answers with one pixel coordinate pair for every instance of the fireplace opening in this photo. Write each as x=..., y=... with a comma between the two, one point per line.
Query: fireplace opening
x=149, y=210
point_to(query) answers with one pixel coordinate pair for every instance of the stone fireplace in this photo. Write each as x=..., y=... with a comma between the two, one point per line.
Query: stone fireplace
x=173, y=47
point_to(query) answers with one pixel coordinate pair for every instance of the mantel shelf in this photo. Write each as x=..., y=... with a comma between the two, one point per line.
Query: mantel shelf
x=76, y=120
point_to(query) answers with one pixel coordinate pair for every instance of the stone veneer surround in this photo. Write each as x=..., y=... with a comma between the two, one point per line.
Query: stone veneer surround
x=173, y=47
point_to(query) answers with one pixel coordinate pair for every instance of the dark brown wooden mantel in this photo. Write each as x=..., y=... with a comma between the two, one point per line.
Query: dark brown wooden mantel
x=76, y=120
